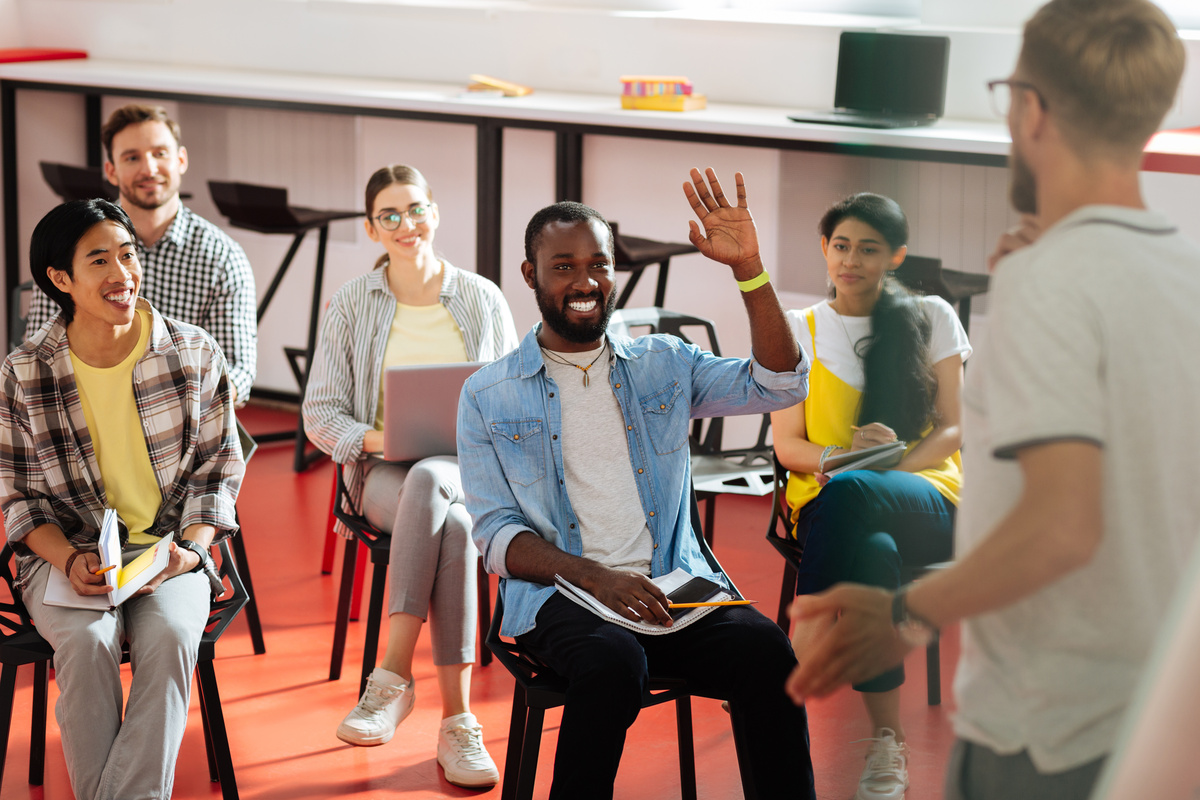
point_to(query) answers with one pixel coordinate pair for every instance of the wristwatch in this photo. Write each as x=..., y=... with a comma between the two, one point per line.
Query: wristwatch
x=913, y=631
x=206, y=564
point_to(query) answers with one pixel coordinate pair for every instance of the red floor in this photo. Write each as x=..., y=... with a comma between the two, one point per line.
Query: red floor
x=281, y=710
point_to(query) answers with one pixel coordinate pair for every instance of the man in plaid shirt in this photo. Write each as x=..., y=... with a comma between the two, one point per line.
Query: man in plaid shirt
x=112, y=405
x=193, y=271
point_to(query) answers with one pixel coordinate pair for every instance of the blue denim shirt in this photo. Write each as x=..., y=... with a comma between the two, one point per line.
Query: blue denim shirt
x=511, y=460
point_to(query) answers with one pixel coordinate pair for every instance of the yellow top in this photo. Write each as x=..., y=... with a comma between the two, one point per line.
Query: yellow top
x=420, y=335
x=110, y=410
x=830, y=410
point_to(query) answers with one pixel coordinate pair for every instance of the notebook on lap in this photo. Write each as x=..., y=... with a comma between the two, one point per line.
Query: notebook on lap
x=420, y=409
x=887, y=80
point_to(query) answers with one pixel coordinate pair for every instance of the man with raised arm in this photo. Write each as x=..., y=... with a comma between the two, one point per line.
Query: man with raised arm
x=1081, y=507
x=574, y=456
x=193, y=271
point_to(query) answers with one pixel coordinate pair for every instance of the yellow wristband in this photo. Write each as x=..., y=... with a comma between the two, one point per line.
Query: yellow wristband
x=755, y=282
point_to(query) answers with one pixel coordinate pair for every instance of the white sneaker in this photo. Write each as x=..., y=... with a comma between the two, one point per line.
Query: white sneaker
x=383, y=706
x=886, y=775
x=462, y=755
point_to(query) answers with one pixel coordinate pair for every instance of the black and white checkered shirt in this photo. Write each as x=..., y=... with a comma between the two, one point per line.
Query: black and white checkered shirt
x=196, y=274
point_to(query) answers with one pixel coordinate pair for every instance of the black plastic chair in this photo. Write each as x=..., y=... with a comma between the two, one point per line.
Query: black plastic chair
x=379, y=545
x=715, y=470
x=927, y=276
x=21, y=644
x=265, y=209
x=537, y=688
x=633, y=254
x=780, y=537
x=238, y=544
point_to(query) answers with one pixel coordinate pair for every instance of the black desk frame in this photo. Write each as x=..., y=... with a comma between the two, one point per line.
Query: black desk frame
x=489, y=141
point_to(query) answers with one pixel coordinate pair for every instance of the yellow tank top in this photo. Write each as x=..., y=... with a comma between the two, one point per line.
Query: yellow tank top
x=829, y=411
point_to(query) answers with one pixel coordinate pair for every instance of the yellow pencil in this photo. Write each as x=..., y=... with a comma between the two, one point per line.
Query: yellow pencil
x=106, y=569
x=717, y=603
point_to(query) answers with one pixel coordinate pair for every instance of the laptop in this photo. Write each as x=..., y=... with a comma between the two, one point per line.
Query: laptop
x=887, y=80
x=420, y=409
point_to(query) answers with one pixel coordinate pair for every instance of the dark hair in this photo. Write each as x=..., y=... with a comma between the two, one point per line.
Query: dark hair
x=562, y=211
x=56, y=237
x=389, y=176
x=135, y=114
x=899, y=385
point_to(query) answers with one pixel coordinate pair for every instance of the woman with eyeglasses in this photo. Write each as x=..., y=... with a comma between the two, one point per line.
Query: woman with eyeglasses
x=412, y=308
x=886, y=365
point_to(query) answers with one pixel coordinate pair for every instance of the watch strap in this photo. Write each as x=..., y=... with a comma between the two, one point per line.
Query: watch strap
x=198, y=549
x=901, y=613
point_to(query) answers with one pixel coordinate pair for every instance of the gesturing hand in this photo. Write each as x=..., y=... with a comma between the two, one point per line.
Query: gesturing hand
x=1023, y=235
x=632, y=595
x=729, y=233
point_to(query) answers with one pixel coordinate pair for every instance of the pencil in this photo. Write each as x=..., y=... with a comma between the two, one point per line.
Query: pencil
x=106, y=569
x=717, y=603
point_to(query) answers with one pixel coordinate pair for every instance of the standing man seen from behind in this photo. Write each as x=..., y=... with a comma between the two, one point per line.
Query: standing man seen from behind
x=1081, y=509
x=193, y=271
x=574, y=458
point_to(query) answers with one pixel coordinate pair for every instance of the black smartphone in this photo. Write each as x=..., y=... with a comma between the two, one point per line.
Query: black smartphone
x=697, y=590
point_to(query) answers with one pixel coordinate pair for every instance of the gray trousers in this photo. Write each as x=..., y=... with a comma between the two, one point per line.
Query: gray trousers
x=107, y=758
x=976, y=772
x=433, y=562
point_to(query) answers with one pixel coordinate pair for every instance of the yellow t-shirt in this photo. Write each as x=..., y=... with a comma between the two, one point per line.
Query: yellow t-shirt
x=110, y=410
x=420, y=335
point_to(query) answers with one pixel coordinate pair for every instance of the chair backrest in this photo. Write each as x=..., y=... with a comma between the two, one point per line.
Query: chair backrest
x=252, y=206
x=77, y=183
x=341, y=501
x=18, y=314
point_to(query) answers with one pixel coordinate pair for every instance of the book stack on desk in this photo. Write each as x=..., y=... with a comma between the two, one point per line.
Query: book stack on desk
x=659, y=93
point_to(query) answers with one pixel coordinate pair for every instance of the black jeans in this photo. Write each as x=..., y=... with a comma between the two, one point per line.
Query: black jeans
x=734, y=653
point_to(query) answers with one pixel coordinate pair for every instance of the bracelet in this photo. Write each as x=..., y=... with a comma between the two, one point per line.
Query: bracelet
x=71, y=562
x=755, y=282
x=824, y=454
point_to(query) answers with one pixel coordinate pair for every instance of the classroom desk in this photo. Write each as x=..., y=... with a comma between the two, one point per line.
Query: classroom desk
x=569, y=116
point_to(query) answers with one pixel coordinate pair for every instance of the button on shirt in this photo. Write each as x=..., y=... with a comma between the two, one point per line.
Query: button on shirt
x=512, y=464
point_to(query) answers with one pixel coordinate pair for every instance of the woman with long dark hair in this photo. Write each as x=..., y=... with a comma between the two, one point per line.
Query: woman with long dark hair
x=887, y=366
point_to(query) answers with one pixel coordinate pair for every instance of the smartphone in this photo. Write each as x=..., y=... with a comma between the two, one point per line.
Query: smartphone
x=697, y=590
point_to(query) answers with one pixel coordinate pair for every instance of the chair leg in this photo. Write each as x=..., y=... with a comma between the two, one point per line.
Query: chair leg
x=342, y=620
x=623, y=298
x=530, y=747
x=360, y=577
x=660, y=291
x=516, y=738
x=238, y=543
x=37, y=731
x=687, y=748
x=933, y=673
x=710, y=518
x=209, y=748
x=787, y=593
x=8, y=692
x=331, y=538
x=485, y=614
x=374, y=619
x=210, y=700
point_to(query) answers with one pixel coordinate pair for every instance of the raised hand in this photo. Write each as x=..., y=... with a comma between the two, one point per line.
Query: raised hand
x=729, y=234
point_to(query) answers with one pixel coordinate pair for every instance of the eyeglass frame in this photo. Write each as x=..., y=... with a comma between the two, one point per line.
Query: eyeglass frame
x=402, y=213
x=1012, y=83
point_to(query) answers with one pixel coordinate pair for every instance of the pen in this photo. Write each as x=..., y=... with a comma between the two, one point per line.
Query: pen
x=717, y=603
x=109, y=568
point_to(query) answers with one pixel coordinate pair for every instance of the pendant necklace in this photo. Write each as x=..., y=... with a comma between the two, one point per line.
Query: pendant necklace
x=586, y=380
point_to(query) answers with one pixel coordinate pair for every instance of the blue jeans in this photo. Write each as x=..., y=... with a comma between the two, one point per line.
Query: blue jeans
x=733, y=653
x=863, y=526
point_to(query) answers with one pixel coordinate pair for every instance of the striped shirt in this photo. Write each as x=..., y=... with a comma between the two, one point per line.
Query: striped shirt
x=195, y=274
x=343, y=386
x=48, y=468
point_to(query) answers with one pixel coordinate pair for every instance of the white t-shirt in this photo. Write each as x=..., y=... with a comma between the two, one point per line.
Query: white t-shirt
x=838, y=335
x=599, y=474
x=1092, y=336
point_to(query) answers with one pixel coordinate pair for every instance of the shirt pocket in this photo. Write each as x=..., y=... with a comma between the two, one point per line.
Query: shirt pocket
x=520, y=447
x=666, y=416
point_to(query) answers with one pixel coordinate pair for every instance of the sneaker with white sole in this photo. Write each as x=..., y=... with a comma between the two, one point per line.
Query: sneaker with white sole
x=384, y=705
x=462, y=755
x=886, y=775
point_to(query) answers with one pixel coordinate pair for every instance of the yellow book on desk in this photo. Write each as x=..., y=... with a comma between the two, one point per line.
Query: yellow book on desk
x=665, y=102
x=125, y=579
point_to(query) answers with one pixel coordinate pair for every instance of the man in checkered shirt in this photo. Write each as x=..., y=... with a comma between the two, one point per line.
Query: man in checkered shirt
x=193, y=271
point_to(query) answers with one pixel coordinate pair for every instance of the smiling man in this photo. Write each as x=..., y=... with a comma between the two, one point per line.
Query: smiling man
x=192, y=270
x=575, y=462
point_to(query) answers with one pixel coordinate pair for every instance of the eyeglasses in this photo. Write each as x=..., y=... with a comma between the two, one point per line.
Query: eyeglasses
x=1001, y=92
x=392, y=220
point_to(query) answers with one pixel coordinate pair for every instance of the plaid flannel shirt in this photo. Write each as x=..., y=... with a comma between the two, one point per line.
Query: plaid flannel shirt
x=48, y=467
x=195, y=274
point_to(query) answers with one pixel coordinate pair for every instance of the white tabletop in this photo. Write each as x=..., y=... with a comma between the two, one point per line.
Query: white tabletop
x=722, y=119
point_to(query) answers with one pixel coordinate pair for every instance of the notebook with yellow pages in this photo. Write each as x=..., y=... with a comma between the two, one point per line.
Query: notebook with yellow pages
x=125, y=579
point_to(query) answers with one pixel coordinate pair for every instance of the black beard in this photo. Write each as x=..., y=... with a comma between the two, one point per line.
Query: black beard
x=556, y=318
x=1022, y=185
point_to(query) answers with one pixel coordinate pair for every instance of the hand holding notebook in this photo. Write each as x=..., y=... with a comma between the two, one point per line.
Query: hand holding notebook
x=125, y=579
